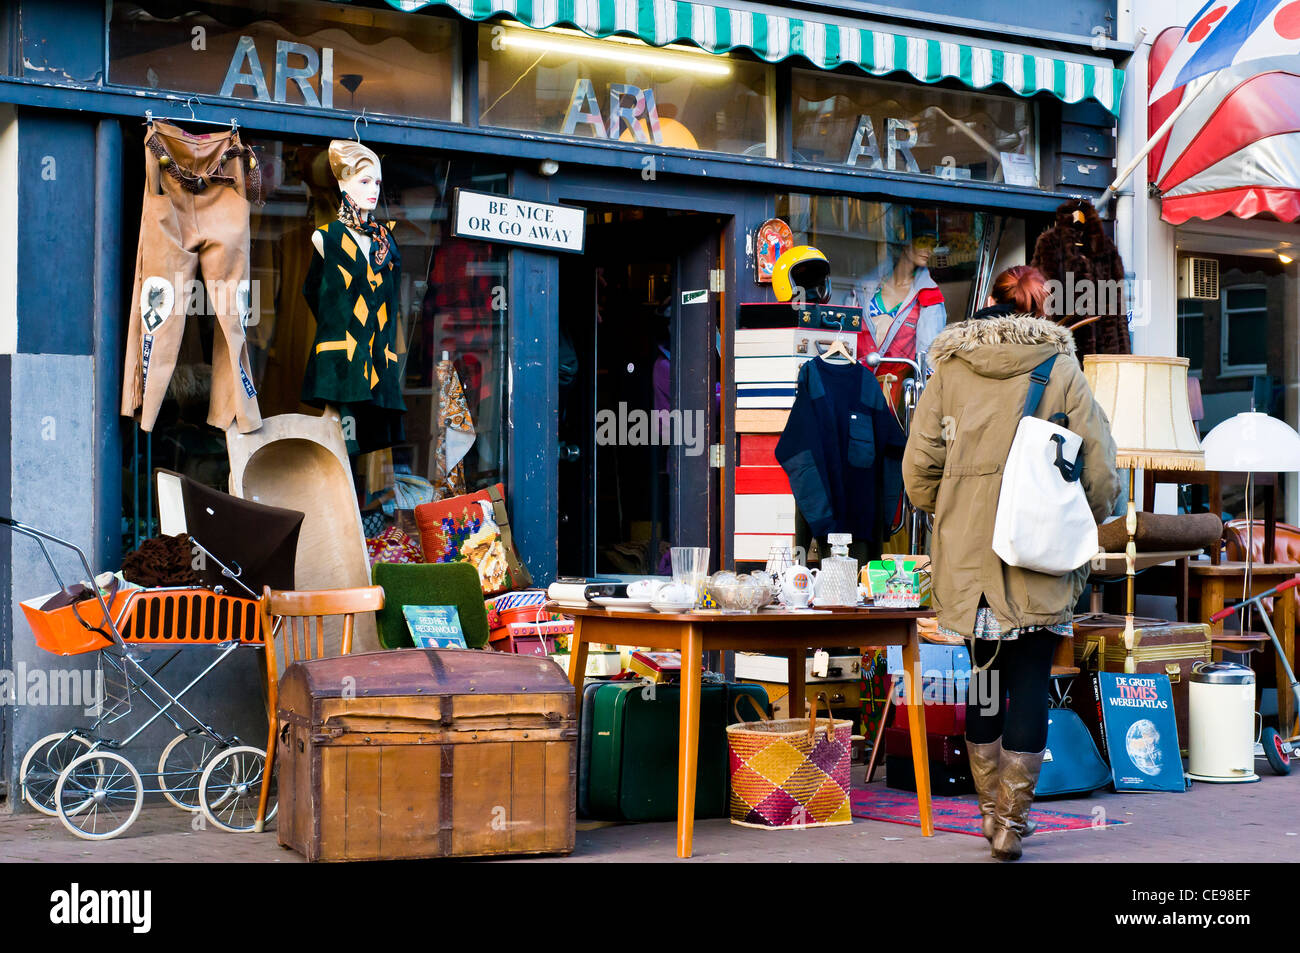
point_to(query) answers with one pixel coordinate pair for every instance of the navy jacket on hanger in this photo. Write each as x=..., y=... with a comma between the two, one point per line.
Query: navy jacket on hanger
x=842, y=449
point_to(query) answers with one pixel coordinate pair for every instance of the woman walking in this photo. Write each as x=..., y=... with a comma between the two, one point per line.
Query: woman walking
x=952, y=467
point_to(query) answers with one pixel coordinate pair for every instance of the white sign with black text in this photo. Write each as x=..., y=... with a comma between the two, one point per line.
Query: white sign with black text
x=500, y=218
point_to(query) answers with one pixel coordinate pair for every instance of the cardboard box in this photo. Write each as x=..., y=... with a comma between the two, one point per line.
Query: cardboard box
x=599, y=664
x=776, y=668
x=658, y=667
x=937, y=661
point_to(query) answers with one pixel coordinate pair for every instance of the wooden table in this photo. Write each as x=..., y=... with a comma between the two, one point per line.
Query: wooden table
x=1215, y=585
x=788, y=633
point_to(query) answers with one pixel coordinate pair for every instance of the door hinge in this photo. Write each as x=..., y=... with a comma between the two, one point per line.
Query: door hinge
x=717, y=456
x=717, y=279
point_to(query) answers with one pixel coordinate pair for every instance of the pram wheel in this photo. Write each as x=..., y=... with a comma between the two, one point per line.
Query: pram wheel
x=99, y=795
x=180, y=768
x=231, y=787
x=42, y=765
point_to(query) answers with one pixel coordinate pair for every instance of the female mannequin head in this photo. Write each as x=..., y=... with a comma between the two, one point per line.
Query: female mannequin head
x=358, y=172
x=918, y=251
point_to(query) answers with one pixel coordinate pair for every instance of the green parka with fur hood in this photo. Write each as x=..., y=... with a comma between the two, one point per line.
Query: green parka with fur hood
x=952, y=467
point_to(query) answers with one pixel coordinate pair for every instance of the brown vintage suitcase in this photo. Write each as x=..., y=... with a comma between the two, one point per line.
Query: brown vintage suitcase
x=1171, y=648
x=426, y=753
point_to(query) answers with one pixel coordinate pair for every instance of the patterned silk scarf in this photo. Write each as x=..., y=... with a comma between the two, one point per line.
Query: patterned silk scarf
x=383, y=250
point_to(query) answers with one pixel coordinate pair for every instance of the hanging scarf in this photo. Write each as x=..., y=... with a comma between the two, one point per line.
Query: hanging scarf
x=383, y=251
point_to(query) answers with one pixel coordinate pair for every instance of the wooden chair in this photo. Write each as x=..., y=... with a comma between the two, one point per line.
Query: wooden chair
x=1215, y=481
x=293, y=611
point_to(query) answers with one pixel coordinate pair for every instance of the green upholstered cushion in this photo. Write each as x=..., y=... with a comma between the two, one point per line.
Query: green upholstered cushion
x=430, y=584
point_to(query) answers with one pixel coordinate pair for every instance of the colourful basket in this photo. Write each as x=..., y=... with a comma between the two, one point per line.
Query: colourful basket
x=791, y=772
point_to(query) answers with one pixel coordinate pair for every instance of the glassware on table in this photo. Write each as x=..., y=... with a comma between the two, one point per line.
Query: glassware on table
x=737, y=594
x=836, y=582
x=691, y=566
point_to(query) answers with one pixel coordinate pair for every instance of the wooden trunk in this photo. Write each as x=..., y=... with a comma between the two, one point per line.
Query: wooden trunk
x=426, y=753
x=1167, y=648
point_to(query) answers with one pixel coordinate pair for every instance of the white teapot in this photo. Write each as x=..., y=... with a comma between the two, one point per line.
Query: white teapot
x=797, y=584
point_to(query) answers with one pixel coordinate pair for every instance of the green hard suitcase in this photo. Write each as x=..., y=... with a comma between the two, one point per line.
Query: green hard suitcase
x=632, y=772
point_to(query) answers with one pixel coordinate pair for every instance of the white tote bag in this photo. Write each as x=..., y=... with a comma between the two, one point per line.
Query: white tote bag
x=1044, y=522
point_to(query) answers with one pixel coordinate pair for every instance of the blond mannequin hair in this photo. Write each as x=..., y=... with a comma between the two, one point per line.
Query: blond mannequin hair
x=348, y=157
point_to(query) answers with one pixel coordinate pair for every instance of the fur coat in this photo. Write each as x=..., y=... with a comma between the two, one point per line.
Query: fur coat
x=1091, y=279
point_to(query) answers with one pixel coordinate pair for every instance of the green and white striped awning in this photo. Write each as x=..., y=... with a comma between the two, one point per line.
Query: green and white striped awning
x=826, y=42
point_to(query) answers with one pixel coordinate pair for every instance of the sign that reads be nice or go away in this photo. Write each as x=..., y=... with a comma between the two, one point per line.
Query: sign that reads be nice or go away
x=500, y=218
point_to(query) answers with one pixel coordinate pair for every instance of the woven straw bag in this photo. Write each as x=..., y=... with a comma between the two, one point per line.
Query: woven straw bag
x=791, y=772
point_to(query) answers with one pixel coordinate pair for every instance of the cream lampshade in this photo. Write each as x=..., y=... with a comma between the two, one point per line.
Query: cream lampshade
x=1145, y=399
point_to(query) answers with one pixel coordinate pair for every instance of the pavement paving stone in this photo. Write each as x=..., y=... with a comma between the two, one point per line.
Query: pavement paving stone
x=1209, y=823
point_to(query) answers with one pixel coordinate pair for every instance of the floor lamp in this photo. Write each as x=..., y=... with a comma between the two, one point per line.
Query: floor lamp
x=1252, y=443
x=1145, y=400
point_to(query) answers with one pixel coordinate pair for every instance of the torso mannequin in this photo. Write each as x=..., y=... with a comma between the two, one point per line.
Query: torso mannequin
x=318, y=242
x=352, y=289
x=895, y=288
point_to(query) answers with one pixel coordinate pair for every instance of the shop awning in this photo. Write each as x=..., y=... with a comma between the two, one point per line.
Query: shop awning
x=827, y=42
x=1235, y=151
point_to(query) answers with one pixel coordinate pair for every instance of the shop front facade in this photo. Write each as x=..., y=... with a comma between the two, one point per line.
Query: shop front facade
x=677, y=130
x=1209, y=224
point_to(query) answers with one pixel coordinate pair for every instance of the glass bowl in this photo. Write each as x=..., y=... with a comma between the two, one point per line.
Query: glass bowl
x=739, y=594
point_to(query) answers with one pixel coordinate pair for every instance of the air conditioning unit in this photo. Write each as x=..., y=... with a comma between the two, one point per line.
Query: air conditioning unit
x=1198, y=278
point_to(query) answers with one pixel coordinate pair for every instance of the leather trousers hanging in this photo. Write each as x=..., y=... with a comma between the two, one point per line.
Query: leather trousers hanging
x=195, y=219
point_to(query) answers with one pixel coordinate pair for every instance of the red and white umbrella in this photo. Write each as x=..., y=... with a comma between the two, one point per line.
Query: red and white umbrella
x=1235, y=150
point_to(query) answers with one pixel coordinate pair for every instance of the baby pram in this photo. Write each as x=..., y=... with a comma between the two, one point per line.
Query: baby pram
x=81, y=775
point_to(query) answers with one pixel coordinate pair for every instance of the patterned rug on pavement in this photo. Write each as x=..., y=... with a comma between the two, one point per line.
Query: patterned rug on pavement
x=957, y=815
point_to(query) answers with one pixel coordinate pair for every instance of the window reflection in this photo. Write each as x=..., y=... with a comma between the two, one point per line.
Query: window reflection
x=617, y=88
x=452, y=300
x=870, y=123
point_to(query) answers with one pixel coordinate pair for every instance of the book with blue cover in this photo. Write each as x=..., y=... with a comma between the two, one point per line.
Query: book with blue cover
x=1139, y=731
x=434, y=627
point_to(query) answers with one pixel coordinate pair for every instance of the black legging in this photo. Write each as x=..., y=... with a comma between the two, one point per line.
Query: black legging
x=1009, y=699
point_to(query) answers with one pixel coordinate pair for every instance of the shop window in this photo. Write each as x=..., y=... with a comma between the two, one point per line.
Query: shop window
x=453, y=298
x=308, y=54
x=1191, y=335
x=867, y=241
x=923, y=130
x=620, y=89
x=1244, y=344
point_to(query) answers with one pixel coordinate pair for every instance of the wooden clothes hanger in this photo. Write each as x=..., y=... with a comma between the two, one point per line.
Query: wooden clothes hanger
x=837, y=347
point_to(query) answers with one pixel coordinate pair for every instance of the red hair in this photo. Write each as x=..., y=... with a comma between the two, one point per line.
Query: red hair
x=1023, y=288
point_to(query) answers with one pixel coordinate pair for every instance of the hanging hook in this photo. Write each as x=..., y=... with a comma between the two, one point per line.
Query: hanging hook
x=189, y=104
x=362, y=118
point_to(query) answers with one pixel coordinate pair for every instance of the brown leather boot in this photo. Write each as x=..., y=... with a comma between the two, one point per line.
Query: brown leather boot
x=984, y=771
x=1017, y=776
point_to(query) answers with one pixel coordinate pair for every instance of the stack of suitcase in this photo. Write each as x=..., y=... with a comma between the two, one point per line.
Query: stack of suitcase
x=772, y=344
x=627, y=766
x=945, y=678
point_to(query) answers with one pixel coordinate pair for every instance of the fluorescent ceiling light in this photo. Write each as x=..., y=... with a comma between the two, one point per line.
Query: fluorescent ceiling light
x=585, y=47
